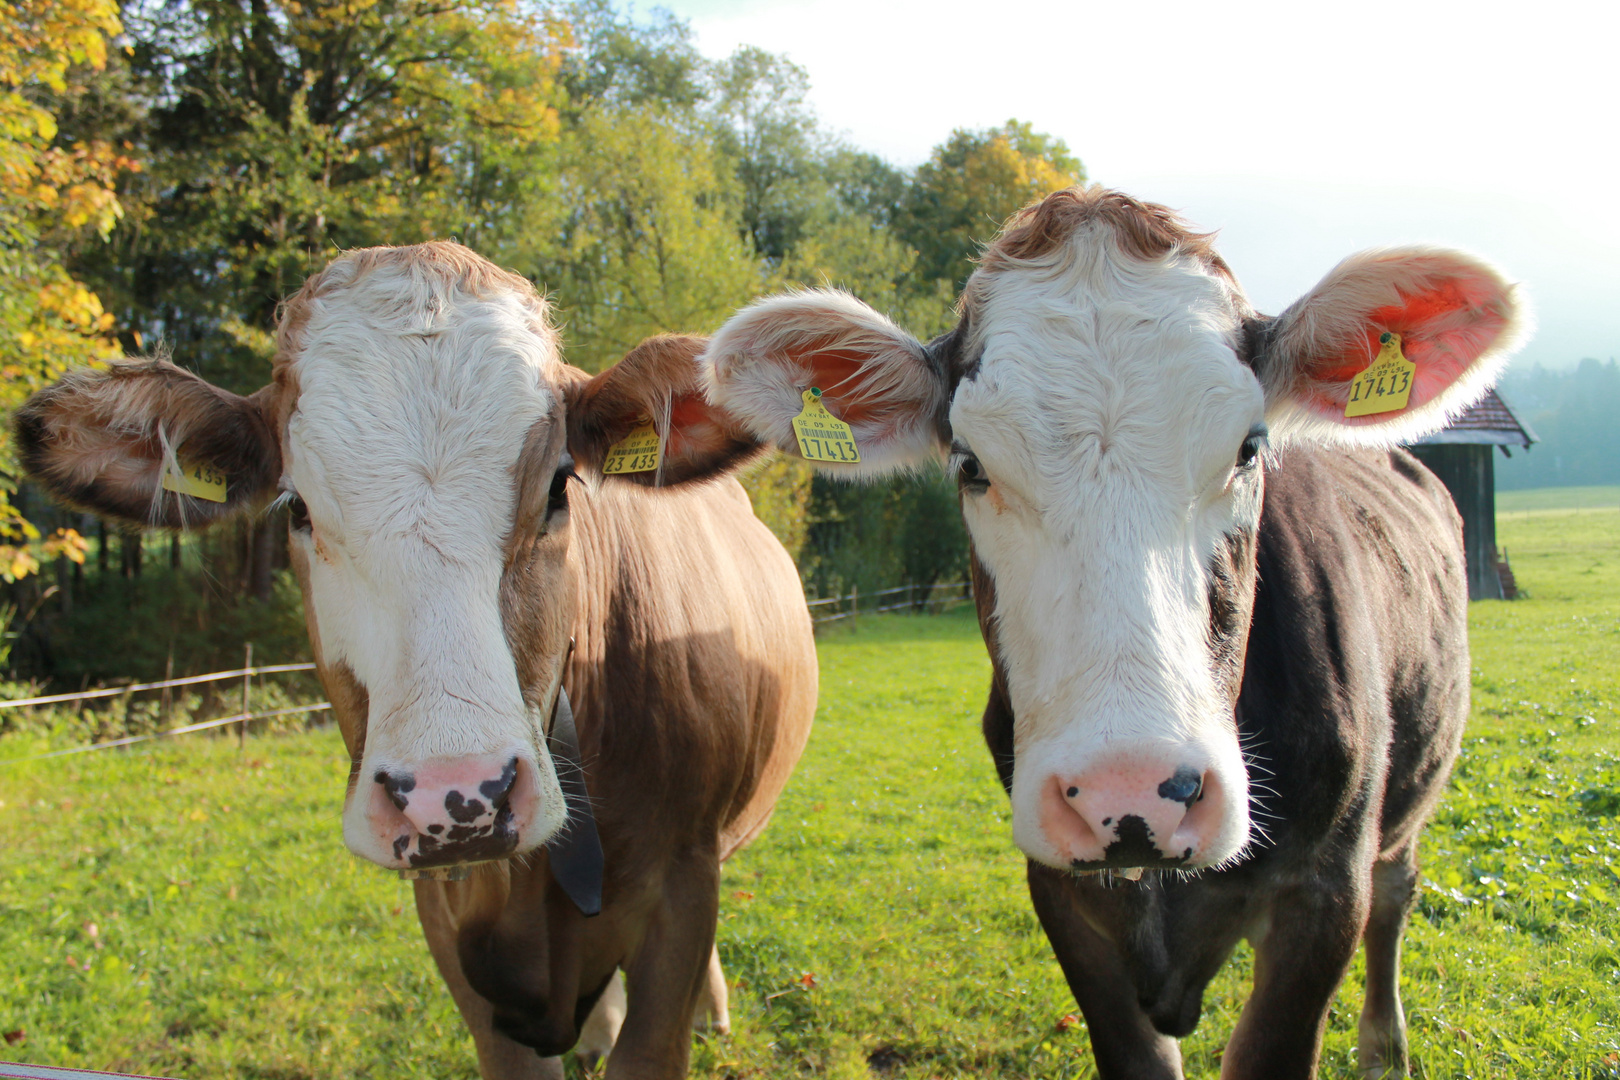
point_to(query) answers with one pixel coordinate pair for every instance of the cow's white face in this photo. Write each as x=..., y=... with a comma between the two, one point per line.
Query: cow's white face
x=415, y=399
x=1105, y=402
x=1099, y=440
x=424, y=434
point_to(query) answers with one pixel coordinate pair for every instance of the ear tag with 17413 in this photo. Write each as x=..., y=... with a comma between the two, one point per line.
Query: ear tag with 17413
x=638, y=451
x=822, y=436
x=1386, y=384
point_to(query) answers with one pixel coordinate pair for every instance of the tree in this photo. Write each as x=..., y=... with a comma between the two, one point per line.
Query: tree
x=617, y=61
x=641, y=237
x=970, y=185
x=1573, y=412
x=279, y=131
x=50, y=194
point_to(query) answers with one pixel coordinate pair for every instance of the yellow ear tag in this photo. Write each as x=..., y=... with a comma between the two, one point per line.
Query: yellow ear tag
x=638, y=451
x=822, y=436
x=1387, y=382
x=198, y=481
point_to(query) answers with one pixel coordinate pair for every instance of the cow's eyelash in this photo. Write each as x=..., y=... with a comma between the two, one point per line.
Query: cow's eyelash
x=969, y=472
x=298, y=512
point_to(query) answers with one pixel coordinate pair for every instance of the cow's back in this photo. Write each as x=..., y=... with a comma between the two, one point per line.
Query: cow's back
x=694, y=670
x=1356, y=685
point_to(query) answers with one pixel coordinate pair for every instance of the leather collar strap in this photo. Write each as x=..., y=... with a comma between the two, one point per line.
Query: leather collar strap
x=575, y=853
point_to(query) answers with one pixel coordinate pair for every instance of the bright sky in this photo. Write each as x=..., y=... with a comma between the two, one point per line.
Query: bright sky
x=1301, y=131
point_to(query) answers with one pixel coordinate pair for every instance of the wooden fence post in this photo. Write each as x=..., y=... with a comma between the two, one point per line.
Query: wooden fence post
x=125, y=699
x=168, y=692
x=854, y=603
x=247, y=685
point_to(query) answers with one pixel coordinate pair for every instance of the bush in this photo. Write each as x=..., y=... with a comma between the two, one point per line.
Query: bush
x=127, y=628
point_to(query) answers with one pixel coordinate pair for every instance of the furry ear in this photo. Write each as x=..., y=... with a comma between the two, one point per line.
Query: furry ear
x=106, y=439
x=1459, y=321
x=657, y=382
x=873, y=376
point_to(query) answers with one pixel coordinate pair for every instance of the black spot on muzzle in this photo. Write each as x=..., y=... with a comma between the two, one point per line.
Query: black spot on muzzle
x=497, y=791
x=397, y=787
x=467, y=843
x=1132, y=847
x=1185, y=787
x=462, y=809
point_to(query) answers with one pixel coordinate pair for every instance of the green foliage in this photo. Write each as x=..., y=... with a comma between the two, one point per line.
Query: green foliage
x=1573, y=412
x=873, y=536
x=278, y=133
x=55, y=191
x=648, y=244
x=643, y=187
x=975, y=181
x=622, y=61
x=126, y=628
x=213, y=926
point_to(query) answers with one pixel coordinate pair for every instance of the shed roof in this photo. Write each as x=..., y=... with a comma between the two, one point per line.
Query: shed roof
x=1489, y=421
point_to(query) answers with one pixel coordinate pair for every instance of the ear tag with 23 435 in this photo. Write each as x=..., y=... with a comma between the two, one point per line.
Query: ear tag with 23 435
x=822, y=436
x=639, y=451
x=198, y=481
x=1386, y=385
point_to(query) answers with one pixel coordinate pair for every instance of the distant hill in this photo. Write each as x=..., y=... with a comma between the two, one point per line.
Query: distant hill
x=1576, y=414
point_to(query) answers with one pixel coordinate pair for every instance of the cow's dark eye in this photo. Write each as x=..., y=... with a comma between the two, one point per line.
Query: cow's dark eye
x=1251, y=449
x=970, y=474
x=297, y=514
x=558, y=499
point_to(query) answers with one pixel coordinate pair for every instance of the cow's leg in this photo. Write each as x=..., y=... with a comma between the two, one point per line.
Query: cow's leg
x=601, y=1028
x=666, y=976
x=1123, y=1040
x=1381, y=1035
x=1299, y=961
x=499, y=1058
x=714, y=1006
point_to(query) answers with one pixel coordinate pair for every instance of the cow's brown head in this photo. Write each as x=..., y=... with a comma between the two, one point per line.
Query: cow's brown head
x=428, y=441
x=1105, y=402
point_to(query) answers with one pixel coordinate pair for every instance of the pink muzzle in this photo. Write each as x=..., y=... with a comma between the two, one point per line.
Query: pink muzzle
x=457, y=810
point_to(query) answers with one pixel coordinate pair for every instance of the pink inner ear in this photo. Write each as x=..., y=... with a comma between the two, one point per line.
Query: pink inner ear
x=1444, y=330
x=696, y=428
x=843, y=376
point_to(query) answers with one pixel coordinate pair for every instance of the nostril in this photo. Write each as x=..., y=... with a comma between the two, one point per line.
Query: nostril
x=397, y=787
x=1185, y=787
x=499, y=790
x=1073, y=791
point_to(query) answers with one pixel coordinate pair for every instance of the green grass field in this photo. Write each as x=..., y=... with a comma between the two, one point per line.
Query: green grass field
x=189, y=910
x=1562, y=499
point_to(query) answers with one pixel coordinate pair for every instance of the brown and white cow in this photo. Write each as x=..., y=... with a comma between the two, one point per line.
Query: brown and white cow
x=456, y=572
x=1243, y=671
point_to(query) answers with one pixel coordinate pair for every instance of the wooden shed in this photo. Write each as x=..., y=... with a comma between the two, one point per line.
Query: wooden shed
x=1460, y=456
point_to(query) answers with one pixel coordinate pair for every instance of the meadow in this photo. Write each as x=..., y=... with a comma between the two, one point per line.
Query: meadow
x=187, y=908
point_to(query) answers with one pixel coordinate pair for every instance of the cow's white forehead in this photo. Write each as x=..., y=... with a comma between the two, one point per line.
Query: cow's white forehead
x=413, y=408
x=1107, y=370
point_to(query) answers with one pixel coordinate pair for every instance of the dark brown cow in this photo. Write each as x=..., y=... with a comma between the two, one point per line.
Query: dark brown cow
x=1229, y=685
x=484, y=620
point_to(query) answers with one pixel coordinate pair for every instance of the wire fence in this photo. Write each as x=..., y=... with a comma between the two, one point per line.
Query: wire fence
x=189, y=680
x=929, y=598
x=244, y=716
